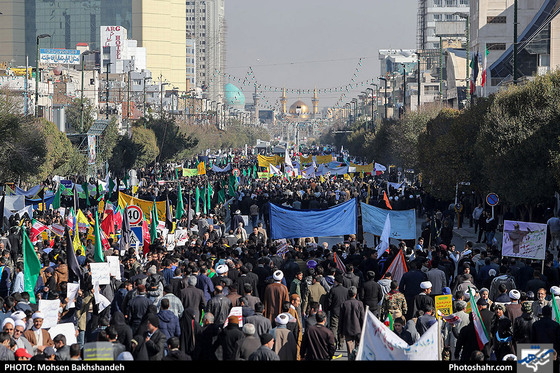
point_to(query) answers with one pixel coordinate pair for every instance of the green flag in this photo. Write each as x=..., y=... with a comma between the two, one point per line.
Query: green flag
x=98, y=251
x=56, y=200
x=180, y=209
x=86, y=192
x=232, y=185
x=125, y=180
x=555, y=311
x=204, y=200
x=210, y=192
x=197, y=200
x=245, y=172
x=111, y=187
x=255, y=171
x=154, y=224
x=31, y=267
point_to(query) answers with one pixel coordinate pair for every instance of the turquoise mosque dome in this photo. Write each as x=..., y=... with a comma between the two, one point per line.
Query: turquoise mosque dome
x=234, y=97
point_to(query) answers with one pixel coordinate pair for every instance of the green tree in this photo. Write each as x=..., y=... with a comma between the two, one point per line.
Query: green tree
x=125, y=154
x=74, y=115
x=170, y=139
x=146, y=140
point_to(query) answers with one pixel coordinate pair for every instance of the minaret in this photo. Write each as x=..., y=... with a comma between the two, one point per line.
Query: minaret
x=315, y=102
x=283, y=102
x=256, y=104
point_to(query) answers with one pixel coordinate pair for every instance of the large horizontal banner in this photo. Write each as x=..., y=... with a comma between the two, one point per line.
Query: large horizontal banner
x=378, y=342
x=60, y=56
x=362, y=168
x=325, y=170
x=403, y=222
x=266, y=161
x=524, y=240
x=335, y=221
x=145, y=205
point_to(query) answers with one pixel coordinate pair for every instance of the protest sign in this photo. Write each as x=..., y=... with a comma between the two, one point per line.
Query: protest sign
x=114, y=266
x=444, y=303
x=100, y=272
x=98, y=351
x=67, y=329
x=49, y=308
x=524, y=240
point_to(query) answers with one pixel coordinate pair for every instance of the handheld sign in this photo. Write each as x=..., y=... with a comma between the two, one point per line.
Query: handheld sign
x=134, y=214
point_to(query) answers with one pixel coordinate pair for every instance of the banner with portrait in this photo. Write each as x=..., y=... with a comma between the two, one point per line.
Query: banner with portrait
x=524, y=240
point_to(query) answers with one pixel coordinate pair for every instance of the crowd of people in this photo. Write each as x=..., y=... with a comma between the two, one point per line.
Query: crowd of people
x=230, y=292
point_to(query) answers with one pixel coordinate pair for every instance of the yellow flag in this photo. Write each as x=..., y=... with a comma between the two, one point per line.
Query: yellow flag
x=77, y=243
x=201, y=168
x=100, y=207
x=347, y=177
x=321, y=179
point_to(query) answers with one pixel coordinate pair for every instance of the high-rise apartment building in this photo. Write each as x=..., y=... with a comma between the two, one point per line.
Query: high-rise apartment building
x=159, y=26
x=431, y=14
x=206, y=28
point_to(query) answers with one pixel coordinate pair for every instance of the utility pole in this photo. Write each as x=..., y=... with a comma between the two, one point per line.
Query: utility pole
x=515, y=42
x=107, y=92
x=420, y=82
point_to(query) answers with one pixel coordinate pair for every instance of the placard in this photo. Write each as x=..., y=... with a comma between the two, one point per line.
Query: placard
x=101, y=273
x=71, y=293
x=235, y=311
x=444, y=303
x=49, y=308
x=67, y=329
x=114, y=266
x=524, y=240
x=98, y=351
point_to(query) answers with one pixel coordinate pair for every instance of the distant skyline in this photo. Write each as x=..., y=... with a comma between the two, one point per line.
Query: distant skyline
x=303, y=44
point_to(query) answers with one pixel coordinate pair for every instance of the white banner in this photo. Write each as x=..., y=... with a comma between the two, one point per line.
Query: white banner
x=60, y=56
x=114, y=266
x=100, y=272
x=524, y=240
x=66, y=329
x=378, y=342
x=49, y=308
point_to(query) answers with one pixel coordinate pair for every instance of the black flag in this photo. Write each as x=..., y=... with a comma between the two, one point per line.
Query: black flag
x=2, y=211
x=76, y=199
x=124, y=242
x=74, y=273
x=41, y=195
x=168, y=217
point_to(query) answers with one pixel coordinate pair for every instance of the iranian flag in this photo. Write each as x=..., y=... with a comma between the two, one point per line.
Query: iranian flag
x=389, y=321
x=555, y=310
x=481, y=333
x=36, y=229
x=485, y=65
x=397, y=267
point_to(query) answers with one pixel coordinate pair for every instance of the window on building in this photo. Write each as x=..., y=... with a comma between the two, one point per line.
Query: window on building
x=496, y=19
x=496, y=46
x=450, y=3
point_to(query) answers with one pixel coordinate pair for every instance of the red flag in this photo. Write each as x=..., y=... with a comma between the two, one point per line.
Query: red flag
x=117, y=218
x=386, y=199
x=108, y=224
x=339, y=264
x=146, y=234
x=397, y=267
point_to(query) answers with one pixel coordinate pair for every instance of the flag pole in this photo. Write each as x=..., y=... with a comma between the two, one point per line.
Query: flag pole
x=361, y=346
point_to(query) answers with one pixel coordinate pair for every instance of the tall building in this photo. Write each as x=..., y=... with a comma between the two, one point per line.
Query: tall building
x=206, y=26
x=431, y=14
x=538, y=25
x=159, y=26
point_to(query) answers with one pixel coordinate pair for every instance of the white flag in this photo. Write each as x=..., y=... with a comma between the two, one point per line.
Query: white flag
x=378, y=342
x=384, y=244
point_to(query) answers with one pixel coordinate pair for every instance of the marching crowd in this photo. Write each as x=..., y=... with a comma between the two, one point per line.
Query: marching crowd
x=232, y=293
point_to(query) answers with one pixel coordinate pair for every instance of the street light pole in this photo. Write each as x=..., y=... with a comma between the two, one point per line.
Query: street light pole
x=107, y=92
x=42, y=36
x=385, y=100
x=82, y=93
x=515, y=42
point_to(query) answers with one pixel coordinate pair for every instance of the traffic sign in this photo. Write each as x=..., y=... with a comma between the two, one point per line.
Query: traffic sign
x=492, y=199
x=136, y=235
x=236, y=172
x=135, y=214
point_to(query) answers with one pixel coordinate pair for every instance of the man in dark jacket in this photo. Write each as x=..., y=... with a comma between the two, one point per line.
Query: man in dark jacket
x=371, y=293
x=154, y=339
x=410, y=286
x=249, y=344
x=219, y=306
x=193, y=297
x=318, y=341
x=352, y=315
x=229, y=337
x=174, y=352
x=546, y=330
x=523, y=325
x=137, y=307
x=337, y=295
x=169, y=323
x=467, y=341
x=262, y=324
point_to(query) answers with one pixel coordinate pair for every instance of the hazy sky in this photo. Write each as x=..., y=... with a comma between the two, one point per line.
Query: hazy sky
x=303, y=44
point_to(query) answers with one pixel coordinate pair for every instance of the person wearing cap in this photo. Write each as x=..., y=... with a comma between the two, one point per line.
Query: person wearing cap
x=423, y=298
x=522, y=325
x=274, y=295
x=513, y=309
x=38, y=337
x=285, y=344
x=265, y=352
x=22, y=354
x=352, y=315
x=229, y=338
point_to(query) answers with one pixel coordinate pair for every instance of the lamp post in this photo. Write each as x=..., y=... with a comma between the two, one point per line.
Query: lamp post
x=107, y=92
x=385, y=100
x=82, y=93
x=161, y=99
x=144, y=105
x=42, y=36
x=372, y=112
x=515, y=45
x=404, y=88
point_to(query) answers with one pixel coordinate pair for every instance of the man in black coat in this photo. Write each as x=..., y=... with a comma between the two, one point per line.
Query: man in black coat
x=546, y=330
x=318, y=341
x=352, y=315
x=154, y=339
x=229, y=338
x=371, y=293
x=193, y=297
x=410, y=286
x=174, y=352
x=337, y=295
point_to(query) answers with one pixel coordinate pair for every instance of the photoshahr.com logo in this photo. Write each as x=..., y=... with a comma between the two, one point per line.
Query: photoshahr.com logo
x=535, y=358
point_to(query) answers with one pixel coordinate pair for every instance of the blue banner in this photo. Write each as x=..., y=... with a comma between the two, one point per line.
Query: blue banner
x=36, y=202
x=338, y=220
x=403, y=222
